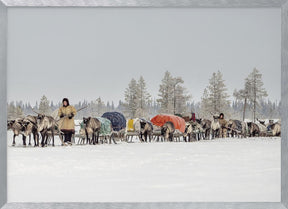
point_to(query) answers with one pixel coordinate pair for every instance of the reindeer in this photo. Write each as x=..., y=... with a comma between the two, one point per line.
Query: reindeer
x=276, y=129
x=17, y=127
x=82, y=136
x=193, y=130
x=253, y=129
x=263, y=129
x=177, y=135
x=215, y=127
x=46, y=126
x=188, y=133
x=273, y=128
x=168, y=130
x=157, y=133
x=30, y=127
x=197, y=129
x=146, y=130
x=206, y=126
x=92, y=126
x=236, y=128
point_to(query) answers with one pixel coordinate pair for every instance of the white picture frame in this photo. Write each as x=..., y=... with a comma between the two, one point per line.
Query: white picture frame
x=283, y=4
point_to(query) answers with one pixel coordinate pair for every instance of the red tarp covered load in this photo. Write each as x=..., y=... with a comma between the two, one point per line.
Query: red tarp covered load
x=160, y=120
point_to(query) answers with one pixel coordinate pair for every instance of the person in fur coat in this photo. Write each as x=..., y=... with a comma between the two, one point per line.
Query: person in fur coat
x=66, y=124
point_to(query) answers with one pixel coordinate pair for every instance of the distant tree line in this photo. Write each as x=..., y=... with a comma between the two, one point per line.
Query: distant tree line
x=173, y=98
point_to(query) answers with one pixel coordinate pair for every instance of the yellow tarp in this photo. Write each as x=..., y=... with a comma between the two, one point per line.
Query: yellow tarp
x=130, y=125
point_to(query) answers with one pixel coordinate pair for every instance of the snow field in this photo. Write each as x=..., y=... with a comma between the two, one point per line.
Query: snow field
x=219, y=170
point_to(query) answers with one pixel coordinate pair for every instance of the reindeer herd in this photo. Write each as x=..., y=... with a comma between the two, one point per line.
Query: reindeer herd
x=206, y=129
x=36, y=126
x=45, y=127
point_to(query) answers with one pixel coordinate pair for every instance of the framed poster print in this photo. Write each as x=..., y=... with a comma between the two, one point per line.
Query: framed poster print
x=138, y=81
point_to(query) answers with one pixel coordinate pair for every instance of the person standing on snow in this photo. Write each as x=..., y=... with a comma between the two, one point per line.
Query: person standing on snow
x=67, y=125
x=223, y=126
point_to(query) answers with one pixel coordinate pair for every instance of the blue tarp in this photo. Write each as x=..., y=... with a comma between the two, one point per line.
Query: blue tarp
x=117, y=119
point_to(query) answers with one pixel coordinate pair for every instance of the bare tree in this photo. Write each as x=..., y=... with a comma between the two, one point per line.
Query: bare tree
x=243, y=94
x=256, y=90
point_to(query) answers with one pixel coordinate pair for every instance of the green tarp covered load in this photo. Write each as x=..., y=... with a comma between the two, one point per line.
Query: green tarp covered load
x=105, y=126
x=82, y=125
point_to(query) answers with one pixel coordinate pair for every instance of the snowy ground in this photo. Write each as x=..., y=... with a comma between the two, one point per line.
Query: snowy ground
x=220, y=170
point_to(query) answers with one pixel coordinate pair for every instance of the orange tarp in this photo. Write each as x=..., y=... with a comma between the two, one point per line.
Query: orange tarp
x=160, y=120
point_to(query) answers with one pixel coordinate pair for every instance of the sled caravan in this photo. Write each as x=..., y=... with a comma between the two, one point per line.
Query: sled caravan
x=113, y=127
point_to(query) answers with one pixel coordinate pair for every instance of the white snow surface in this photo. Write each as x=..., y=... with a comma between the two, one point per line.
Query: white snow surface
x=229, y=170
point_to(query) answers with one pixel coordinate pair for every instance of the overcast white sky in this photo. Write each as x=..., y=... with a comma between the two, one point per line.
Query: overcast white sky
x=87, y=53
